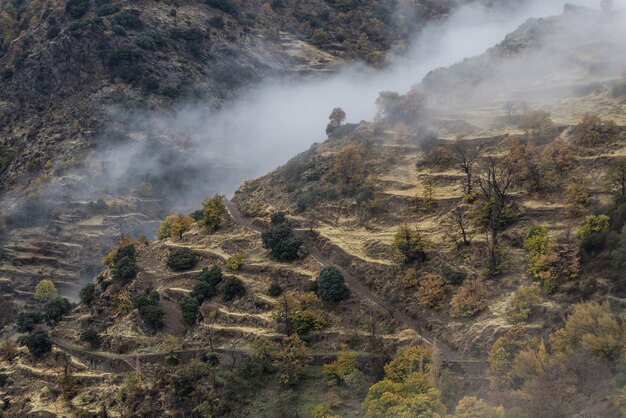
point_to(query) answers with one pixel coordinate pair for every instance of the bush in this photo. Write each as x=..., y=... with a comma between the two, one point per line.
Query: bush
x=331, y=286
x=56, y=309
x=146, y=42
x=537, y=244
x=146, y=298
x=281, y=242
x=87, y=294
x=91, y=337
x=593, y=224
x=27, y=321
x=6, y=73
x=408, y=245
x=125, y=54
x=53, y=32
x=235, y=262
x=523, y=303
x=470, y=298
x=77, y=8
x=181, y=259
x=119, y=30
x=129, y=19
x=227, y=6
x=38, y=343
x=152, y=316
x=107, y=9
x=275, y=290
x=453, y=276
x=432, y=291
x=562, y=263
x=189, y=307
x=231, y=287
x=217, y=22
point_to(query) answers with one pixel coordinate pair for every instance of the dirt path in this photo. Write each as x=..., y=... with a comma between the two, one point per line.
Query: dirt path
x=448, y=354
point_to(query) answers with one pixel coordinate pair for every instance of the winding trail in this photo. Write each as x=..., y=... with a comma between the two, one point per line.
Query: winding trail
x=471, y=367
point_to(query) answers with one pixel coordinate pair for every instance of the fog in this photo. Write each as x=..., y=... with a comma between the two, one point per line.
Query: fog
x=269, y=123
x=273, y=122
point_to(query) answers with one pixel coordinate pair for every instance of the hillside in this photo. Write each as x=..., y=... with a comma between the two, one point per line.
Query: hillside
x=462, y=255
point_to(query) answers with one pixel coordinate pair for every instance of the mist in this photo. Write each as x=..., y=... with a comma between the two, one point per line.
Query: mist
x=267, y=124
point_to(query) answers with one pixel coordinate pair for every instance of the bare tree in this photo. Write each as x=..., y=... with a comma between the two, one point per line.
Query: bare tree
x=458, y=226
x=466, y=157
x=495, y=180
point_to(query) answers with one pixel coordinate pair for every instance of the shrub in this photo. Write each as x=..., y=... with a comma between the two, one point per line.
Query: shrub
x=146, y=42
x=189, y=307
x=408, y=245
x=152, y=316
x=125, y=54
x=227, y=6
x=217, y=22
x=331, y=286
x=578, y=197
x=235, y=262
x=119, y=30
x=77, y=8
x=53, y=32
x=129, y=19
x=27, y=321
x=592, y=130
x=231, y=287
x=453, y=276
x=275, y=290
x=523, y=303
x=432, y=291
x=91, y=337
x=537, y=244
x=181, y=259
x=38, y=343
x=538, y=126
x=278, y=218
x=470, y=298
x=337, y=371
x=281, y=242
x=562, y=263
x=107, y=9
x=6, y=73
x=214, y=212
x=87, y=294
x=45, y=290
x=593, y=224
x=174, y=226
x=305, y=319
x=146, y=298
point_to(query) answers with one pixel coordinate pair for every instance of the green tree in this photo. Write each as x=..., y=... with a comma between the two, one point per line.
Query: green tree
x=472, y=407
x=87, y=294
x=181, y=259
x=38, y=343
x=27, y=321
x=331, y=285
x=231, y=287
x=152, y=316
x=616, y=178
x=282, y=242
x=189, y=307
x=56, y=309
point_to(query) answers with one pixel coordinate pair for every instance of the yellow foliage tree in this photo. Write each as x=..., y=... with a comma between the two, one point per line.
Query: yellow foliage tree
x=45, y=290
x=174, y=226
